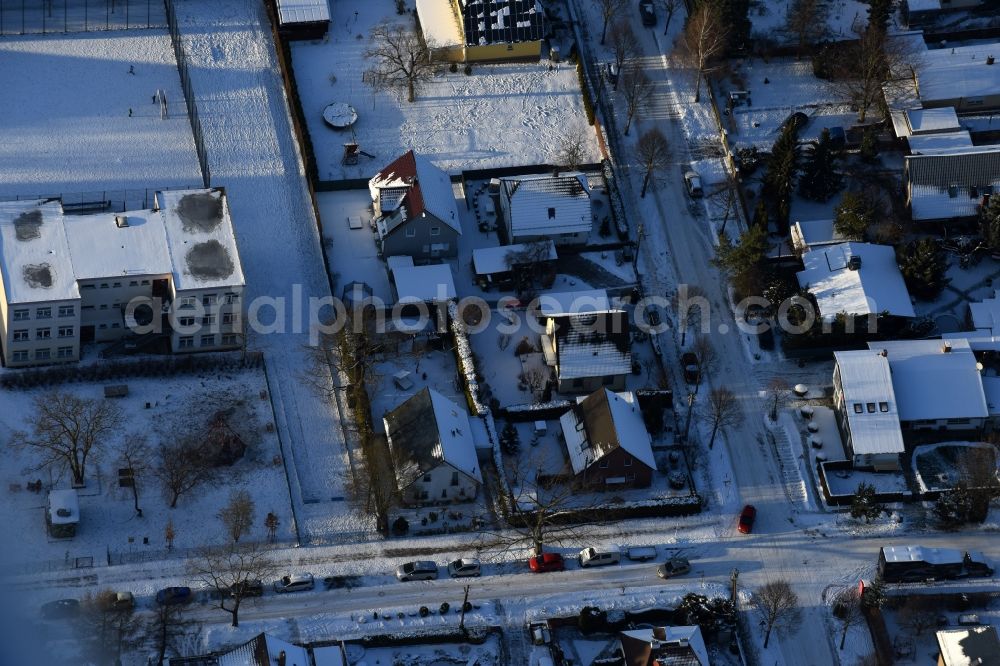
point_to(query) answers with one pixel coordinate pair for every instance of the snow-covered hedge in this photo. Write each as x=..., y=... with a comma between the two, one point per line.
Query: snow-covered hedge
x=466, y=360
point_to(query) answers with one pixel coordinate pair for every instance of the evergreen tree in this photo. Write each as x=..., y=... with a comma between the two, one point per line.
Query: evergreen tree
x=820, y=179
x=865, y=503
x=510, y=441
x=990, y=223
x=879, y=12
x=743, y=262
x=854, y=216
x=874, y=594
x=869, y=146
x=760, y=217
x=782, y=166
x=954, y=507
x=923, y=265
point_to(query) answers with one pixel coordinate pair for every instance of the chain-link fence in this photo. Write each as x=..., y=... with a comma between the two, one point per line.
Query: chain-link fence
x=102, y=201
x=21, y=17
x=192, y=106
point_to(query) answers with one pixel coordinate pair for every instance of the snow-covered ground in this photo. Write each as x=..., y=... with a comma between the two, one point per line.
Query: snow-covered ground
x=109, y=527
x=80, y=117
x=500, y=115
x=769, y=18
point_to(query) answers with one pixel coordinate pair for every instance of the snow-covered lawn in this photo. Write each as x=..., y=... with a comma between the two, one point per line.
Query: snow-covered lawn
x=108, y=524
x=770, y=17
x=936, y=466
x=968, y=285
x=500, y=115
x=76, y=120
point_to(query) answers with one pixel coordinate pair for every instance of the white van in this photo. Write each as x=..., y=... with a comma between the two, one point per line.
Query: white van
x=589, y=557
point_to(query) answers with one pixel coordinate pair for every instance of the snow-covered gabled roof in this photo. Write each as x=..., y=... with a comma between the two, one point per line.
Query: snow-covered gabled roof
x=427, y=430
x=946, y=184
x=931, y=383
x=548, y=205
x=602, y=422
x=265, y=650
x=926, y=121
x=563, y=303
x=303, y=11
x=432, y=283
x=867, y=385
x=439, y=23
x=969, y=646
x=875, y=287
x=491, y=260
x=958, y=72
x=594, y=345
x=414, y=183
x=659, y=639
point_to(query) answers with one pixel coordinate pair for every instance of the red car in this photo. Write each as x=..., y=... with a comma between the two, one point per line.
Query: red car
x=547, y=562
x=747, y=516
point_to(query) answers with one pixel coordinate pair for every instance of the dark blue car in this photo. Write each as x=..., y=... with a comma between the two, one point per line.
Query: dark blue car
x=170, y=596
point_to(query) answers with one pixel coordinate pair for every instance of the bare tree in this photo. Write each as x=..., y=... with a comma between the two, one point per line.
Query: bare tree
x=778, y=393
x=181, y=468
x=237, y=515
x=708, y=358
x=169, y=534
x=848, y=608
x=806, y=19
x=167, y=630
x=535, y=512
x=723, y=411
x=669, y=8
x=233, y=571
x=108, y=625
x=609, y=9
x=572, y=149
x=977, y=469
x=704, y=41
x=135, y=456
x=918, y=614
x=401, y=58
x=873, y=66
x=624, y=47
x=67, y=432
x=778, y=603
x=691, y=306
x=638, y=91
x=653, y=152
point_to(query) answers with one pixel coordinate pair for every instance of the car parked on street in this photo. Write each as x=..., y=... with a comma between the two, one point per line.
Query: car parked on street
x=648, y=12
x=171, y=596
x=692, y=368
x=591, y=557
x=747, y=516
x=247, y=588
x=547, y=562
x=420, y=570
x=61, y=608
x=675, y=566
x=294, y=583
x=464, y=568
x=692, y=181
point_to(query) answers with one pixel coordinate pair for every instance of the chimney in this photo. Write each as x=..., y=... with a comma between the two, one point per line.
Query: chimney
x=885, y=353
x=121, y=221
x=945, y=347
x=854, y=262
x=990, y=60
x=660, y=633
x=282, y=658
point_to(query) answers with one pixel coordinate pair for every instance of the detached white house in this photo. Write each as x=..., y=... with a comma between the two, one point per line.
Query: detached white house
x=855, y=279
x=547, y=207
x=415, y=210
x=433, y=450
x=951, y=184
x=867, y=412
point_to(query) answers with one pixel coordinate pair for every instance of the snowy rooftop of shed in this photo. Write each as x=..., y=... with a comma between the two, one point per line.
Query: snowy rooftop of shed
x=427, y=284
x=876, y=286
x=933, y=144
x=66, y=500
x=561, y=303
x=931, y=383
x=490, y=260
x=866, y=380
x=303, y=11
x=439, y=23
x=923, y=121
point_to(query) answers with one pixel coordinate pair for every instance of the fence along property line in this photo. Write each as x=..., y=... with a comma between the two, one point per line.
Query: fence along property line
x=20, y=17
x=192, y=106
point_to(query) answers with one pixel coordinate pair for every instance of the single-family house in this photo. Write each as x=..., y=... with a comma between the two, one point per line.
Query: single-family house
x=502, y=266
x=433, y=450
x=808, y=235
x=552, y=207
x=482, y=30
x=855, y=279
x=969, y=646
x=607, y=441
x=303, y=19
x=265, y=650
x=966, y=77
x=917, y=13
x=867, y=412
x=951, y=184
x=937, y=383
x=588, y=343
x=664, y=646
x=62, y=513
x=415, y=210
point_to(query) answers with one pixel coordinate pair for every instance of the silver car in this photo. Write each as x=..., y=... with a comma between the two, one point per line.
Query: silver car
x=464, y=567
x=420, y=570
x=294, y=583
x=675, y=566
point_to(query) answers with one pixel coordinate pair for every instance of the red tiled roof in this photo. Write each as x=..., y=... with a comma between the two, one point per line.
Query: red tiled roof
x=404, y=168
